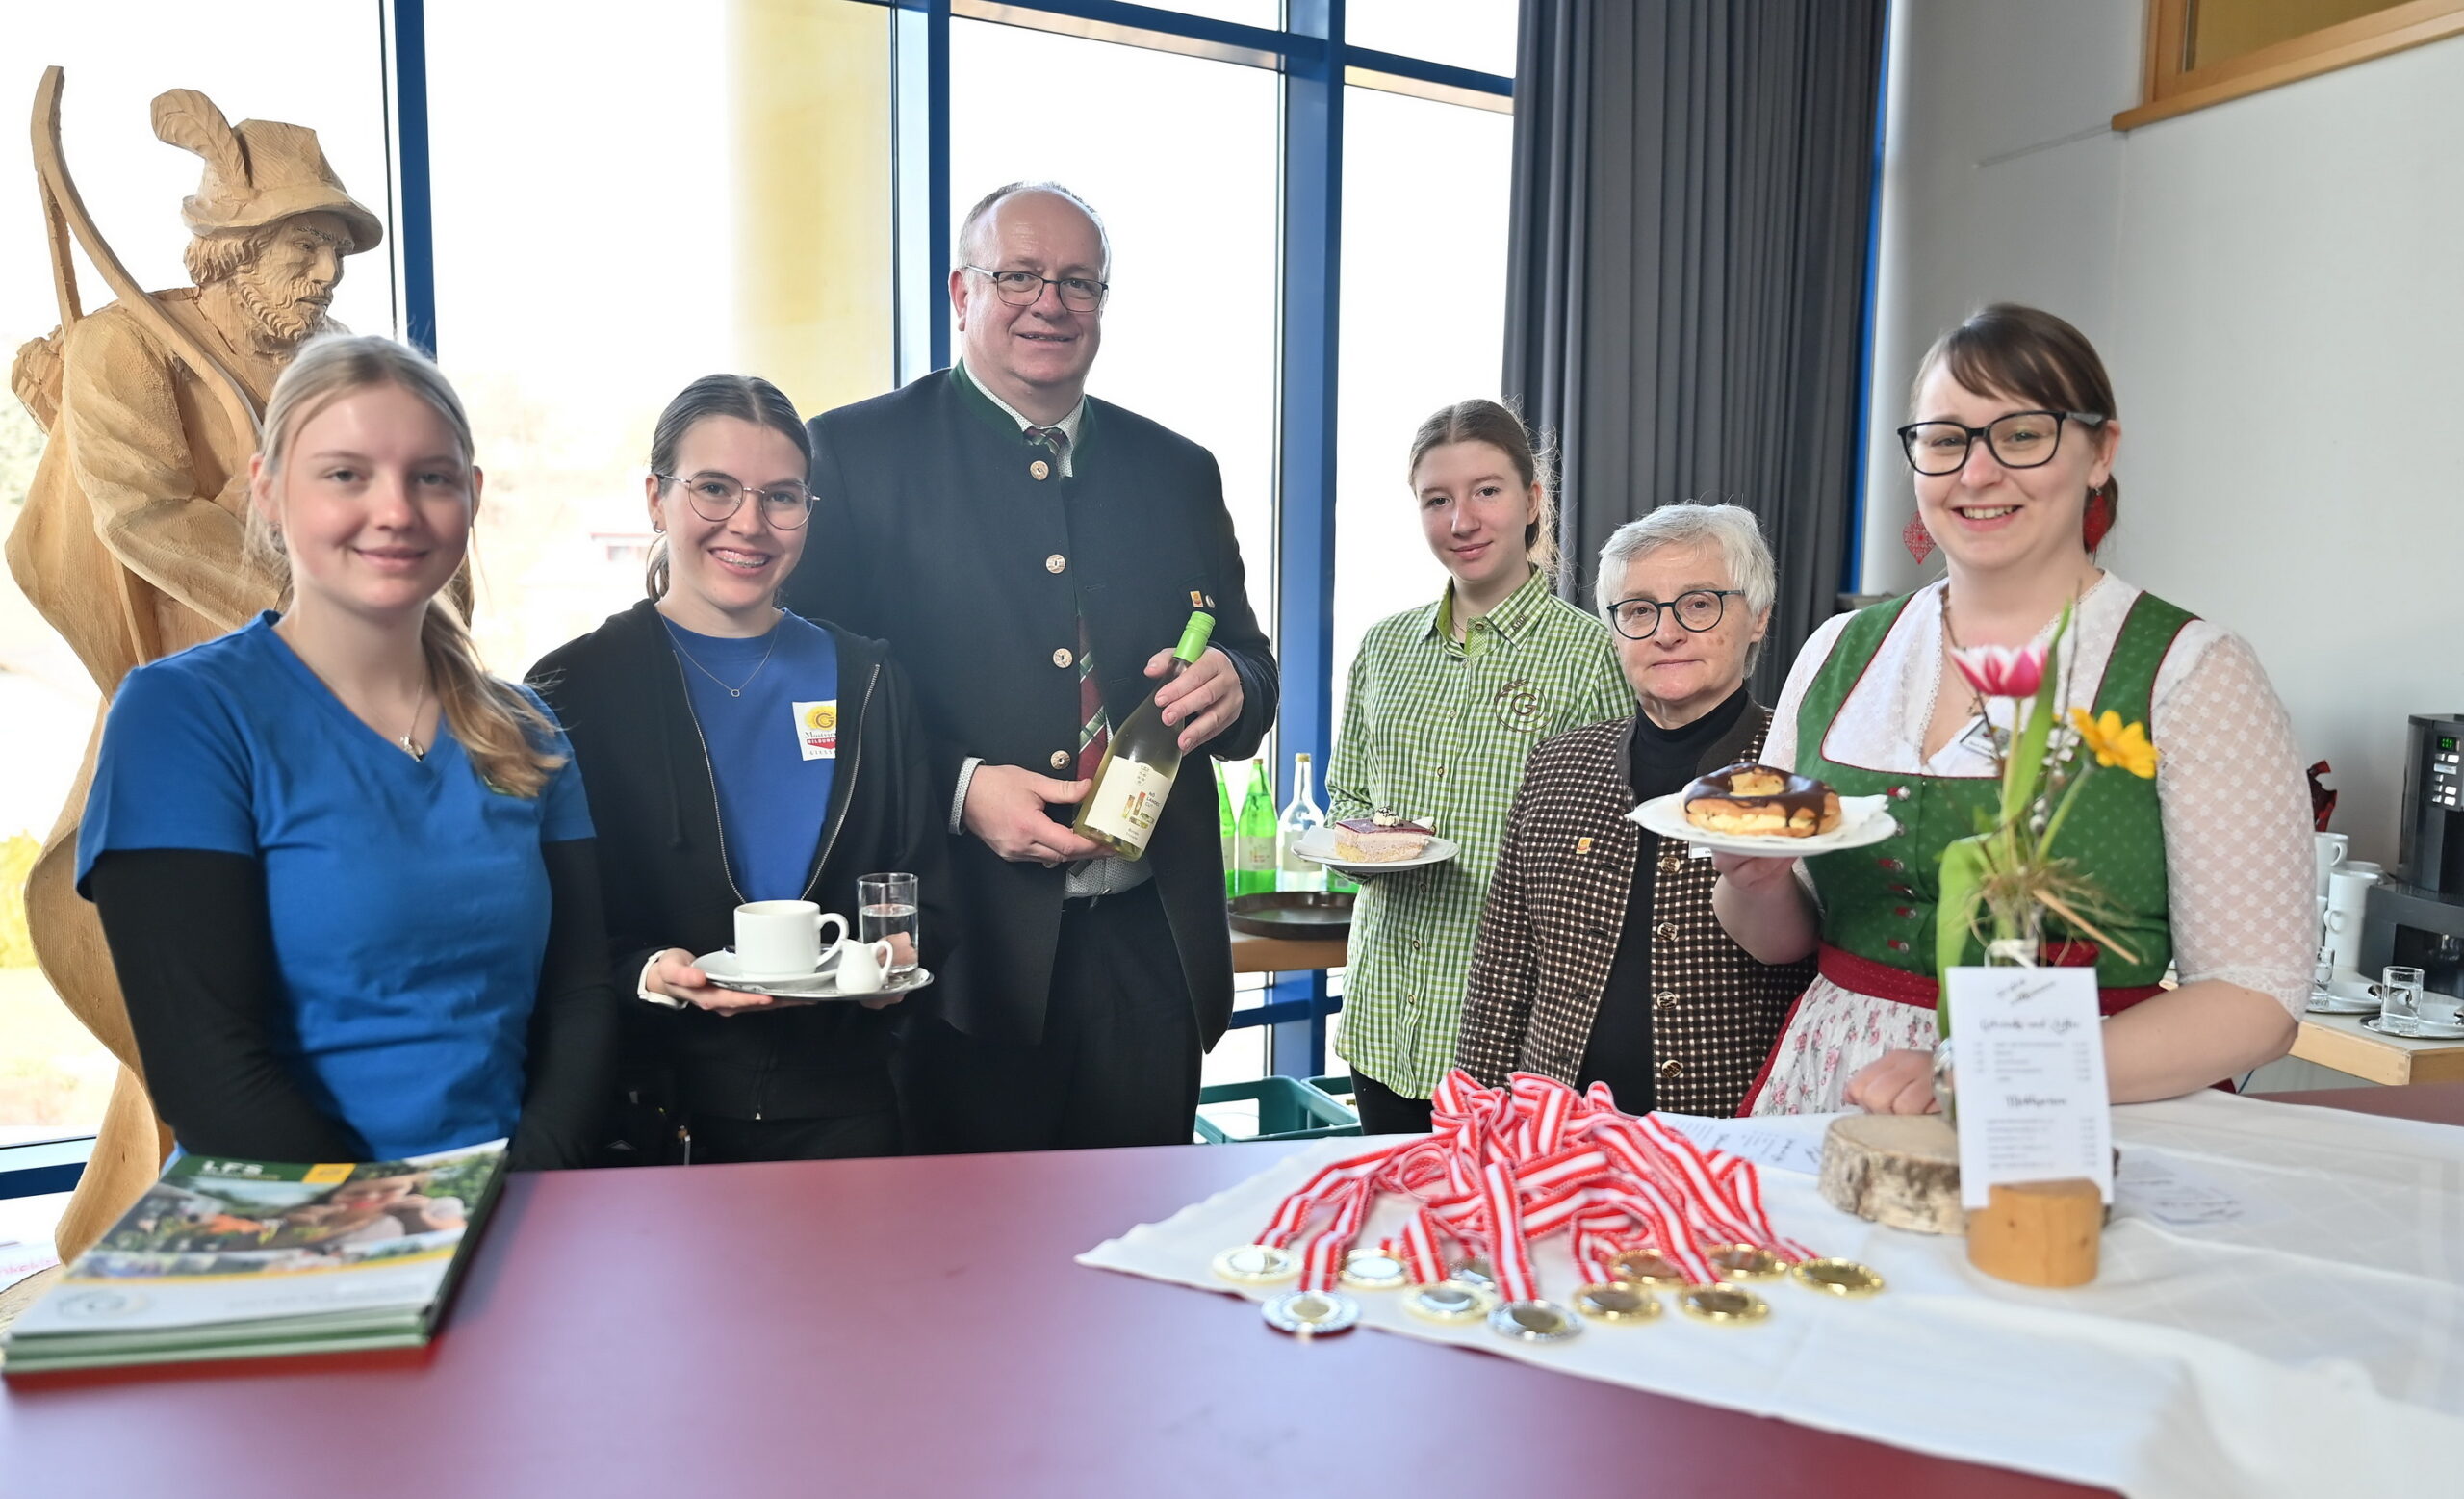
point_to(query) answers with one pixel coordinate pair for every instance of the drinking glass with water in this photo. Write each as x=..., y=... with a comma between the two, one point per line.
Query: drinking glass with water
x=886, y=909
x=2399, y=1001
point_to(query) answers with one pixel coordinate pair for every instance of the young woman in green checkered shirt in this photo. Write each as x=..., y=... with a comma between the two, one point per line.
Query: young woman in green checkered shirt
x=1445, y=703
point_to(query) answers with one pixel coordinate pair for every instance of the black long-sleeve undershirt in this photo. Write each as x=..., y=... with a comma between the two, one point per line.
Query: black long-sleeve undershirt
x=193, y=944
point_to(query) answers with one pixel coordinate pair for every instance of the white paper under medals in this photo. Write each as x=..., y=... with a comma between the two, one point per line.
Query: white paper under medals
x=2029, y=1048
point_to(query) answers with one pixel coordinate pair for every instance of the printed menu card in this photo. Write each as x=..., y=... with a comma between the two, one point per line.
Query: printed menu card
x=2029, y=1049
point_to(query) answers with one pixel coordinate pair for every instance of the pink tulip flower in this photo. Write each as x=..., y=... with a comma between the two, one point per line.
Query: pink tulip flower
x=2000, y=670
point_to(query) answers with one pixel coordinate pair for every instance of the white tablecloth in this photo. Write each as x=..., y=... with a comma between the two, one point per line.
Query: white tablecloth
x=2279, y=1311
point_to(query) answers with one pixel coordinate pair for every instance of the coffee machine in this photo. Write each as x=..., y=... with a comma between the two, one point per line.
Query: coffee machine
x=2417, y=917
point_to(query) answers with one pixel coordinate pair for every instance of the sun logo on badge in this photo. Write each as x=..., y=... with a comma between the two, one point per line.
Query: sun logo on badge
x=821, y=716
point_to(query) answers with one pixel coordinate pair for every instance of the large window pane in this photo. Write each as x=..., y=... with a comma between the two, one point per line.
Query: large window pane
x=1474, y=34
x=688, y=190
x=1188, y=196
x=255, y=61
x=1423, y=324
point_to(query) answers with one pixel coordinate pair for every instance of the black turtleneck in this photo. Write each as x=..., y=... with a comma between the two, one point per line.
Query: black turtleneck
x=1660, y=761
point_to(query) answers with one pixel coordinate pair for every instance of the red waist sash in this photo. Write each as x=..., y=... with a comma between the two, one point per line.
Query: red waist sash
x=1901, y=987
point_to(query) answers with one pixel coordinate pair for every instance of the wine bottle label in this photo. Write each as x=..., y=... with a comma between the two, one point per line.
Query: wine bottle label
x=1128, y=800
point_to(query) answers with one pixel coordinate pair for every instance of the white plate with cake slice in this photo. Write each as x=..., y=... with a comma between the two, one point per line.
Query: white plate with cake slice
x=1317, y=846
x=1864, y=821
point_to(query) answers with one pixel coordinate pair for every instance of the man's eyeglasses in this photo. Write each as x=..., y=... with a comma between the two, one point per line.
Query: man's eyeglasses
x=717, y=496
x=1697, y=609
x=1024, y=288
x=2022, y=440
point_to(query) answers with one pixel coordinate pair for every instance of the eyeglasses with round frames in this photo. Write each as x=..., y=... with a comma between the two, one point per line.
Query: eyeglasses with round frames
x=717, y=496
x=1024, y=288
x=1697, y=609
x=2020, y=440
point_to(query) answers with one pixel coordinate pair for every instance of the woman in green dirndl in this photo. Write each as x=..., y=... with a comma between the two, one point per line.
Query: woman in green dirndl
x=2206, y=867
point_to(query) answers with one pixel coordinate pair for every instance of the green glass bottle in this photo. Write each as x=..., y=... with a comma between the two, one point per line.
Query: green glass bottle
x=1224, y=824
x=1140, y=761
x=1254, y=833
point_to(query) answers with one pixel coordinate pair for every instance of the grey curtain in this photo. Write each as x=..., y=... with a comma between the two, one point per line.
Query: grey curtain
x=1693, y=186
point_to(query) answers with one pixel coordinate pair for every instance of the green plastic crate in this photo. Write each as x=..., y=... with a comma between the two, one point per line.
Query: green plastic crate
x=1287, y=1109
x=1338, y=1087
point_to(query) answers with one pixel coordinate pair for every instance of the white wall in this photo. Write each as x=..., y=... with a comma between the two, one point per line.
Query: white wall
x=2277, y=286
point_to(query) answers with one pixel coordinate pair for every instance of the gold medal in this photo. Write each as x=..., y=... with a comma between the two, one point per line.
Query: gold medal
x=1615, y=1300
x=1645, y=1268
x=1839, y=1278
x=1375, y=1270
x=1534, y=1322
x=1449, y=1301
x=1721, y=1303
x=1745, y=1263
x=1308, y=1314
x=1257, y=1264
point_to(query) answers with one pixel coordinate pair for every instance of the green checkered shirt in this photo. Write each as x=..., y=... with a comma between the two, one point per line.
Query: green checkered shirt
x=1439, y=730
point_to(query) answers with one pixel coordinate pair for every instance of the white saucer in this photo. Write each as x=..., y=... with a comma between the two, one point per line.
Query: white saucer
x=2430, y=1030
x=808, y=987
x=1318, y=847
x=1862, y=821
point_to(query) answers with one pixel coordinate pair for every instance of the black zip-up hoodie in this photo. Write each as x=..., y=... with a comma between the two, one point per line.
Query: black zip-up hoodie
x=619, y=694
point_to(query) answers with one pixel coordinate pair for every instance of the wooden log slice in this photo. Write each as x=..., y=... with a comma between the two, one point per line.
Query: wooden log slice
x=1898, y=1170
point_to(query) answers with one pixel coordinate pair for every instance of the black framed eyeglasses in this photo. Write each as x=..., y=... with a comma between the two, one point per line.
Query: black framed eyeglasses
x=2020, y=440
x=1697, y=609
x=717, y=496
x=1024, y=288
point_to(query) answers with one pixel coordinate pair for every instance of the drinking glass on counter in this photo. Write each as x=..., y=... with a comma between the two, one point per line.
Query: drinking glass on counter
x=886, y=909
x=2399, y=1001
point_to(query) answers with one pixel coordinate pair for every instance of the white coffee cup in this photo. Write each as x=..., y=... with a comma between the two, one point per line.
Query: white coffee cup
x=2348, y=893
x=2329, y=850
x=862, y=964
x=781, y=938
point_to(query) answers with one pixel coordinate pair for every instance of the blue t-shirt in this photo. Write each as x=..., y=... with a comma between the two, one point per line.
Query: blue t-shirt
x=774, y=751
x=409, y=902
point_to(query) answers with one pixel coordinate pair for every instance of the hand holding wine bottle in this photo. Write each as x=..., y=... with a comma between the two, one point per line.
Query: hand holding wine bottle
x=1203, y=701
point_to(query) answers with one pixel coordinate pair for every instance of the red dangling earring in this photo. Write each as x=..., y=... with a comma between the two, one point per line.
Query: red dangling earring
x=1916, y=538
x=2096, y=519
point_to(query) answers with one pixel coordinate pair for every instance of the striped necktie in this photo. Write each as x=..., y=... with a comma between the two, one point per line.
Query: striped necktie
x=1095, y=728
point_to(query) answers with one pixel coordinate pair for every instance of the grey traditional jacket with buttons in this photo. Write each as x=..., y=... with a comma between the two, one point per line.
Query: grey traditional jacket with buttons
x=1555, y=909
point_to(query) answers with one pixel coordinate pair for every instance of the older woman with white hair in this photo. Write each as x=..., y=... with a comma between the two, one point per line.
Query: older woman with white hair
x=1598, y=958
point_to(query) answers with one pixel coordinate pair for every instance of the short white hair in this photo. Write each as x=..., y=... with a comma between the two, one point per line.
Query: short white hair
x=970, y=252
x=1730, y=528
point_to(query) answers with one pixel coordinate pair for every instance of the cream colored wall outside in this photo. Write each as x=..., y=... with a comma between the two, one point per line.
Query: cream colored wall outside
x=2276, y=286
x=814, y=251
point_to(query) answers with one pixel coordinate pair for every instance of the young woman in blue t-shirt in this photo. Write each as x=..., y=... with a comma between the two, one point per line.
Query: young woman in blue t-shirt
x=345, y=875
x=735, y=753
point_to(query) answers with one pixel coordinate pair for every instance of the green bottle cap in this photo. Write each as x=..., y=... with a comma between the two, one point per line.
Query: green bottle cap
x=1194, y=635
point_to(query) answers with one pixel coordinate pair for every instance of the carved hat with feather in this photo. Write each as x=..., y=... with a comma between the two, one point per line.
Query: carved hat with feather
x=256, y=172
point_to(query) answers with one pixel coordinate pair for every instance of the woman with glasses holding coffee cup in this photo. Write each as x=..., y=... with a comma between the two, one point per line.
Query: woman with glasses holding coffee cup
x=734, y=754
x=347, y=876
x=1445, y=704
x=2206, y=867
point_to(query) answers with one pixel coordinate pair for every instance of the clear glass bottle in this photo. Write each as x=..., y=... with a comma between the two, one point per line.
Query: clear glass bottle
x=1302, y=816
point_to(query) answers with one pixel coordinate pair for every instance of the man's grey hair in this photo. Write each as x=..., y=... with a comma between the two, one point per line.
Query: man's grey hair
x=971, y=229
x=1730, y=528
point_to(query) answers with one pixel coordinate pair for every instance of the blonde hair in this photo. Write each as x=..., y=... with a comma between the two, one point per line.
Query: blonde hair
x=1479, y=421
x=498, y=727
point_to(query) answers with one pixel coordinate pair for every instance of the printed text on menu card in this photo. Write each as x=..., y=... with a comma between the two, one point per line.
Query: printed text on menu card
x=2029, y=1048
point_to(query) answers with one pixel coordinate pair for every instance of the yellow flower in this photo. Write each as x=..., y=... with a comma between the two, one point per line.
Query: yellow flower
x=2115, y=744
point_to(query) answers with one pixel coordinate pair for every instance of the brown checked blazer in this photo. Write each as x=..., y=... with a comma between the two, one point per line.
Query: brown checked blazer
x=1549, y=931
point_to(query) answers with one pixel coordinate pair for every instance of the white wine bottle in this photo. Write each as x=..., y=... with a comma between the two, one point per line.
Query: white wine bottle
x=1138, y=764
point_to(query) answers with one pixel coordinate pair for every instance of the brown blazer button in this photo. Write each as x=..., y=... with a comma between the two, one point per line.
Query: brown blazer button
x=1672, y=1067
x=1666, y=931
x=1040, y=469
x=1671, y=864
x=1055, y=562
x=1663, y=1003
x=1063, y=657
x=1060, y=758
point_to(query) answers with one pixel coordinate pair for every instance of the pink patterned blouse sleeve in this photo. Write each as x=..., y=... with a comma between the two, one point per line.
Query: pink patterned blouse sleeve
x=2237, y=828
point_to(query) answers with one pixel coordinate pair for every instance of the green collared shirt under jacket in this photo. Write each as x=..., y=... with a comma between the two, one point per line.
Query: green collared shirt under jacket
x=1438, y=730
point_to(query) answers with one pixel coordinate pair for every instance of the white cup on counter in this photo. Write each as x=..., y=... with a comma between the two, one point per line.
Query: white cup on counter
x=2348, y=892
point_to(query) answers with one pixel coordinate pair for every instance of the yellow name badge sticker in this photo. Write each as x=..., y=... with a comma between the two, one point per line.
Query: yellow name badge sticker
x=817, y=728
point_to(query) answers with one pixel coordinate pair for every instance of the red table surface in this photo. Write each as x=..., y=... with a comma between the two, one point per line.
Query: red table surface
x=914, y=1326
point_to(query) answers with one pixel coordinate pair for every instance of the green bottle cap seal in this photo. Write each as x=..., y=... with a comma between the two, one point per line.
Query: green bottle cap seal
x=1194, y=635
